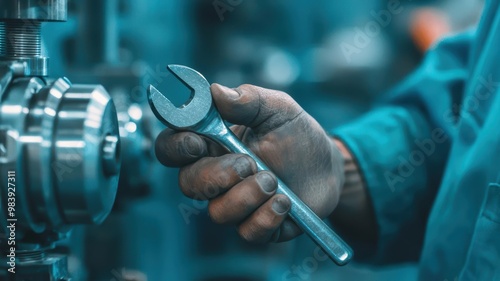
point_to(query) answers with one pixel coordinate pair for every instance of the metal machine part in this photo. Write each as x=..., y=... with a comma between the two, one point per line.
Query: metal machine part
x=59, y=147
x=62, y=141
x=199, y=115
x=47, y=10
x=20, y=33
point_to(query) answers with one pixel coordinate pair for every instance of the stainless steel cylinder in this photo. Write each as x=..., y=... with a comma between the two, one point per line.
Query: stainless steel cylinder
x=20, y=32
x=20, y=46
x=86, y=131
x=63, y=143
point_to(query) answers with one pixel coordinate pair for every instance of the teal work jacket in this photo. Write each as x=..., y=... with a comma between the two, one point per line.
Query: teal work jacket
x=430, y=157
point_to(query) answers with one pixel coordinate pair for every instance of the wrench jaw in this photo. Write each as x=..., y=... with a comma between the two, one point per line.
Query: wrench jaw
x=168, y=114
x=190, y=78
x=187, y=117
x=191, y=114
x=159, y=105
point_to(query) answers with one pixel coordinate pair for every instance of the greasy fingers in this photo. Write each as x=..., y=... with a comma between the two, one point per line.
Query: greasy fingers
x=211, y=176
x=174, y=149
x=242, y=199
x=261, y=109
x=263, y=225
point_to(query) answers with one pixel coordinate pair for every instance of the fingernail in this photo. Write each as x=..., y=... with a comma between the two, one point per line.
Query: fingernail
x=193, y=146
x=281, y=205
x=229, y=92
x=243, y=167
x=266, y=181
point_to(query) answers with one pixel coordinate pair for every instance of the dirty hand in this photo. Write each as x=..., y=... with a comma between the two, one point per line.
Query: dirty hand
x=291, y=143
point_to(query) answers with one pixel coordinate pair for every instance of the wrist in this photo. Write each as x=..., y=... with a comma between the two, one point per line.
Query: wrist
x=339, y=158
x=353, y=180
x=354, y=211
x=348, y=165
x=352, y=174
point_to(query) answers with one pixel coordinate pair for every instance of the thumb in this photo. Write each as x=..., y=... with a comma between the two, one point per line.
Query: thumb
x=261, y=109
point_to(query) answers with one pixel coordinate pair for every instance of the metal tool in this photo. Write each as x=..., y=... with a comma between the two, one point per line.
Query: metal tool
x=200, y=115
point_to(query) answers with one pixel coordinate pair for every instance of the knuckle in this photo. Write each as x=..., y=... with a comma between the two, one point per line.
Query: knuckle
x=284, y=95
x=185, y=182
x=246, y=234
x=215, y=181
x=250, y=200
x=185, y=189
x=266, y=223
x=247, y=203
x=216, y=213
x=288, y=101
x=211, y=190
x=246, y=87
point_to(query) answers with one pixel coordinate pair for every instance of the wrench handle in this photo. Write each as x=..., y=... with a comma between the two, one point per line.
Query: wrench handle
x=300, y=213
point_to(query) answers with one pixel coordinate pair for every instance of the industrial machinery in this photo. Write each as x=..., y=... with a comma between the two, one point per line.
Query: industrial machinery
x=59, y=148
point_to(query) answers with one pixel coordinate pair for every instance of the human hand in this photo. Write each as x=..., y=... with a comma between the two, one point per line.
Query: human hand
x=291, y=143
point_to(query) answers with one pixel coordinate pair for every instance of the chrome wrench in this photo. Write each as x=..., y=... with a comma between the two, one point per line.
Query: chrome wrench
x=199, y=115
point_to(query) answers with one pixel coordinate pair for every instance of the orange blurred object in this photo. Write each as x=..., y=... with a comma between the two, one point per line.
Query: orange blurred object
x=428, y=25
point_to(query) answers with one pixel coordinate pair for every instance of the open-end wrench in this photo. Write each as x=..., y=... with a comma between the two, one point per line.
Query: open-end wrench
x=199, y=115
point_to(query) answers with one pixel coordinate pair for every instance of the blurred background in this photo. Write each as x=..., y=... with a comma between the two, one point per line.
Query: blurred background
x=334, y=57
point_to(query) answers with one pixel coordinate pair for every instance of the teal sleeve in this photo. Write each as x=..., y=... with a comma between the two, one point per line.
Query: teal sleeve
x=401, y=147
